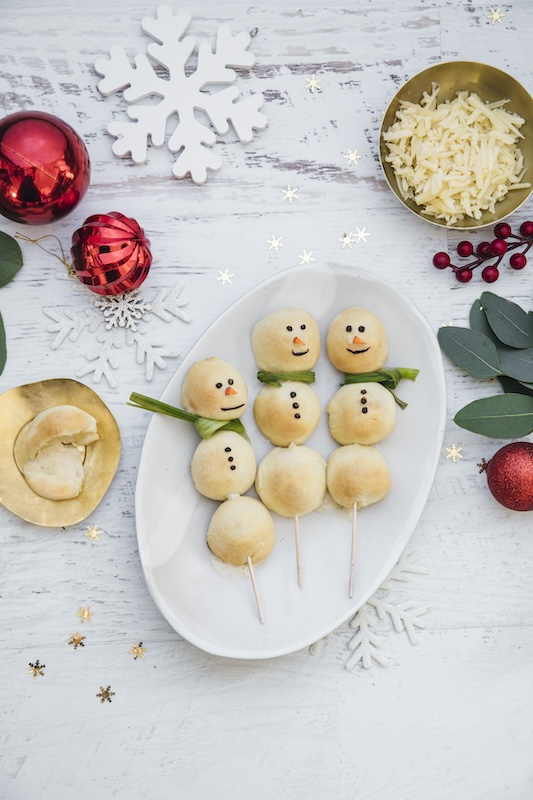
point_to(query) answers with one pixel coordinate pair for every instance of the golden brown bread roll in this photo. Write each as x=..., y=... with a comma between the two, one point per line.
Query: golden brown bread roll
x=214, y=389
x=63, y=423
x=361, y=413
x=288, y=413
x=222, y=465
x=241, y=527
x=357, y=474
x=357, y=341
x=292, y=480
x=56, y=472
x=286, y=340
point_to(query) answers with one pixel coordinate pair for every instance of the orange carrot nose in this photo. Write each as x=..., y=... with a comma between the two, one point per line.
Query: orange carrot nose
x=230, y=390
x=357, y=340
x=296, y=340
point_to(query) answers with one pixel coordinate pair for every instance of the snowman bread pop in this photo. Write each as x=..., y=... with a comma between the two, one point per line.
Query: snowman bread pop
x=286, y=345
x=214, y=397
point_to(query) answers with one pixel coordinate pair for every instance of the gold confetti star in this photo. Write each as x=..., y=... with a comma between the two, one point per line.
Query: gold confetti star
x=85, y=614
x=138, y=651
x=274, y=243
x=454, y=452
x=290, y=193
x=93, y=533
x=495, y=15
x=306, y=257
x=312, y=83
x=347, y=239
x=36, y=669
x=352, y=157
x=76, y=639
x=105, y=694
x=225, y=276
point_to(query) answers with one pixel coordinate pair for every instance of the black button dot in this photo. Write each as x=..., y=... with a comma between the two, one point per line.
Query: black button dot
x=233, y=466
x=230, y=458
x=297, y=416
x=296, y=405
x=363, y=401
x=363, y=391
x=364, y=410
x=293, y=394
x=227, y=449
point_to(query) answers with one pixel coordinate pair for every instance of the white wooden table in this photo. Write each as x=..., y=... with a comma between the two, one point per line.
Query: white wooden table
x=447, y=718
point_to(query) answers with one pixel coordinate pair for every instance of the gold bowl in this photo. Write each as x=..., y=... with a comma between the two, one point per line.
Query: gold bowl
x=491, y=85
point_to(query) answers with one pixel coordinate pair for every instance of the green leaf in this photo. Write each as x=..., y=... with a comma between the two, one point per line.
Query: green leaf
x=471, y=350
x=510, y=385
x=3, y=347
x=504, y=416
x=479, y=322
x=507, y=319
x=517, y=364
x=10, y=258
x=275, y=378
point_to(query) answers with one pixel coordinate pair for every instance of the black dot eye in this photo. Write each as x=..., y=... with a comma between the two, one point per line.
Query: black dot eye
x=348, y=329
x=289, y=327
x=230, y=381
x=361, y=328
x=219, y=386
x=303, y=327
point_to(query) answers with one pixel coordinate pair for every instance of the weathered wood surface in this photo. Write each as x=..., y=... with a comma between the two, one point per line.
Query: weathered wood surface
x=449, y=719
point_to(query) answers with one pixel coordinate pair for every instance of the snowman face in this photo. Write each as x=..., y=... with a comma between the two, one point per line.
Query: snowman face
x=215, y=389
x=287, y=340
x=357, y=341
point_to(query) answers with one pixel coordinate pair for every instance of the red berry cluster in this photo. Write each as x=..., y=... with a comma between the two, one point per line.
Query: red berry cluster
x=504, y=242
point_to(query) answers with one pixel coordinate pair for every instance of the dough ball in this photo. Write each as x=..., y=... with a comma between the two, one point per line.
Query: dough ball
x=357, y=474
x=357, y=341
x=361, y=413
x=222, y=465
x=64, y=424
x=215, y=389
x=239, y=528
x=288, y=413
x=56, y=472
x=287, y=340
x=292, y=480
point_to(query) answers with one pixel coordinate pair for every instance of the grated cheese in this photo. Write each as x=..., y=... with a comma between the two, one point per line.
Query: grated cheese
x=456, y=158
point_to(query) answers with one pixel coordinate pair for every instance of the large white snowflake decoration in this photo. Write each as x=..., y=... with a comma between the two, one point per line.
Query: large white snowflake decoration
x=364, y=646
x=118, y=320
x=181, y=93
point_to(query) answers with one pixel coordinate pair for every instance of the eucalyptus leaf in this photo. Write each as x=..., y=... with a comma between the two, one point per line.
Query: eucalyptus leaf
x=479, y=322
x=504, y=416
x=10, y=258
x=516, y=363
x=510, y=385
x=507, y=319
x=470, y=349
x=3, y=347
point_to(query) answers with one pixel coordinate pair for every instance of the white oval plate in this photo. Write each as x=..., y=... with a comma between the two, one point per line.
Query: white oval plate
x=211, y=604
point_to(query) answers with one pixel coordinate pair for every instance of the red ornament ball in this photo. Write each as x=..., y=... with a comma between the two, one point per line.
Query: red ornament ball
x=510, y=476
x=44, y=167
x=110, y=253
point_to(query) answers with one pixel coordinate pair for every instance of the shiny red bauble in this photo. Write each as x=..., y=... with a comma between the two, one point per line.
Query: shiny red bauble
x=111, y=253
x=44, y=167
x=510, y=476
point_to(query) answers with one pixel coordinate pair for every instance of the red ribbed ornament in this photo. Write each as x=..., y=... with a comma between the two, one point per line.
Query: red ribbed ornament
x=110, y=253
x=44, y=167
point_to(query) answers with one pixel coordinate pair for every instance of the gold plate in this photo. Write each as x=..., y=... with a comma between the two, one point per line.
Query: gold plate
x=491, y=84
x=18, y=407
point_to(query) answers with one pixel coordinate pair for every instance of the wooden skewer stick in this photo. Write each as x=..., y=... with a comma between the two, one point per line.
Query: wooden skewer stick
x=256, y=593
x=352, y=556
x=297, y=541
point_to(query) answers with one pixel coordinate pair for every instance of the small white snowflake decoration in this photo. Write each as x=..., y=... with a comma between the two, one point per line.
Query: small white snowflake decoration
x=182, y=92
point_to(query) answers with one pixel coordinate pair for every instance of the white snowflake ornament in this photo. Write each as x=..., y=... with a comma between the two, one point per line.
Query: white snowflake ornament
x=182, y=92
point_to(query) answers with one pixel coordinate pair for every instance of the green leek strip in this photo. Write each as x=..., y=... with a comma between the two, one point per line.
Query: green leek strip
x=275, y=378
x=390, y=377
x=205, y=427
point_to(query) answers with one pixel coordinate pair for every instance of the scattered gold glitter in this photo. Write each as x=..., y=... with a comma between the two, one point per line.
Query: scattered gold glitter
x=454, y=452
x=290, y=193
x=138, y=651
x=84, y=614
x=313, y=83
x=36, y=669
x=495, y=15
x=224, y=276
x=105, y=694
x=352, y=157
x=274, y=243
x=76, y=639
x=306, y=257
x=93, y=533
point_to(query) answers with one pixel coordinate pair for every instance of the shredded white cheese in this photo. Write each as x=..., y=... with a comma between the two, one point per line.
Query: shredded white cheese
x=457, y=158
